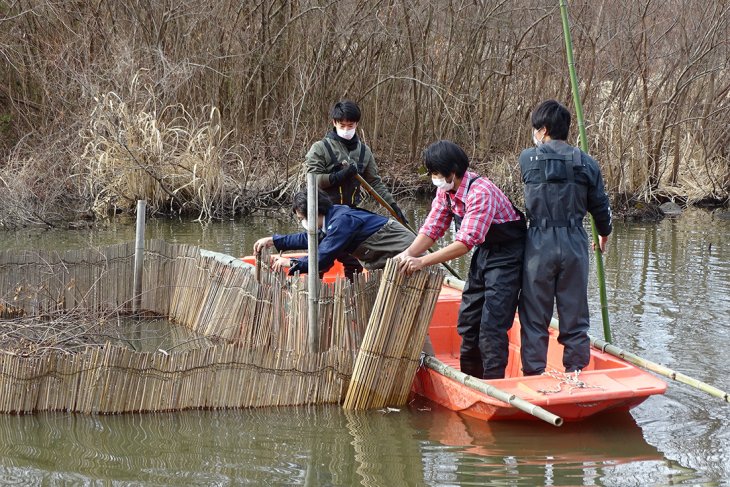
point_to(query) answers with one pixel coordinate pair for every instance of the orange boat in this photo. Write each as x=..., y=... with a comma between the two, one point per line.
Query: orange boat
x=608, y=383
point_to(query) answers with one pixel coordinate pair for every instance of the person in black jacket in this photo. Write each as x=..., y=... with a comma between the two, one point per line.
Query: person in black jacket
x=367, y=237
x=562, y=184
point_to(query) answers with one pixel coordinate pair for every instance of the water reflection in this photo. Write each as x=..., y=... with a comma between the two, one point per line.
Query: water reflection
x=203, y=448
x=322, y=446
x=668, y=295
x=669, y=288
x=234, y=237
x=534, y=453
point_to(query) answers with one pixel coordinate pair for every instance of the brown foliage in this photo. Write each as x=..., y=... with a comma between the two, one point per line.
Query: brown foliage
x=654, y=74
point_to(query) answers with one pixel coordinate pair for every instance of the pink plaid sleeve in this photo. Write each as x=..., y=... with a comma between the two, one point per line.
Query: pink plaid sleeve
x=479, y=214
x=438, y=219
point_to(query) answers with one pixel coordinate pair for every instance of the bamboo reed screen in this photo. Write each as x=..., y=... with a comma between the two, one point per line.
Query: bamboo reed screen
x=254, y=325
x=396, y=331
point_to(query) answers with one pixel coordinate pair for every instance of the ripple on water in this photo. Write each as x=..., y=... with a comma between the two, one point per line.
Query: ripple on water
x=668, y=300
x=15, y=475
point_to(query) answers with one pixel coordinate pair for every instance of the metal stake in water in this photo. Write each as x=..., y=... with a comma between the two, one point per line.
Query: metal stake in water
x=313, y=253
x=139, y=256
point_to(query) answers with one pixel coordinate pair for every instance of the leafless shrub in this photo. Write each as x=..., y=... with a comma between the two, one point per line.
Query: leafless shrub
x=654, y=85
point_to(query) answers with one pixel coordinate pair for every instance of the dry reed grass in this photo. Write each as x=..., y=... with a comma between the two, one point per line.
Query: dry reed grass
x=655, y=93
x=172, y=159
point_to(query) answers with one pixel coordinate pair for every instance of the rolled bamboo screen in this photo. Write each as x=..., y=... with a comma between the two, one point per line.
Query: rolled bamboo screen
x=388, y=358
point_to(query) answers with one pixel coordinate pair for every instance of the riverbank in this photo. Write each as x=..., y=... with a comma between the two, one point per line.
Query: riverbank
x=624, y=207
x=196, y=177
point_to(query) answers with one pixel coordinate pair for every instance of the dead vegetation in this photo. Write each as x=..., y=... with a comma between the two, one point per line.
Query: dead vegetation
x=207, y=108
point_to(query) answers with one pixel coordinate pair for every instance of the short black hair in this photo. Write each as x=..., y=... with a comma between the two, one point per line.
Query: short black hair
x=299, y=203
x=445, y=157
x=346, y=110
x=554, y=117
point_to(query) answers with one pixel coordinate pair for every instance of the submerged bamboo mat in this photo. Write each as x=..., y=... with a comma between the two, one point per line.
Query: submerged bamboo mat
x=257, y=322
x=388, y=358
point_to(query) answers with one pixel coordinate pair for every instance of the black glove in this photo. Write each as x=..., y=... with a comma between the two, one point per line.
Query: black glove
x=399, y=213
x=338, y=177
x=293, y=267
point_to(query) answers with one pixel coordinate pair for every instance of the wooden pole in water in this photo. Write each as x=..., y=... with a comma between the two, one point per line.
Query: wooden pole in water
x=313, y=254
x=139, y=255
x=584, y=145
x=490, y=390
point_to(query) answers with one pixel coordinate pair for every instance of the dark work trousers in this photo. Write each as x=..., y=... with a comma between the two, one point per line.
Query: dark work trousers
x=488, y=306
x=556, y=267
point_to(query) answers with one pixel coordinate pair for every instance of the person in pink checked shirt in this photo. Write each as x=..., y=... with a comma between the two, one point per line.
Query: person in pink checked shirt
x=488, y=222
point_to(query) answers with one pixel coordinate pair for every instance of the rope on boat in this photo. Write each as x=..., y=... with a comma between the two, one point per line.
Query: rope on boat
x=630, y=357
x=568, y=378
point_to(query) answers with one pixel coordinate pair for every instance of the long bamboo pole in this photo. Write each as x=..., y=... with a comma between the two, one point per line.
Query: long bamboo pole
x=584, y=146
x=488, y=389
x=659, y=369
x=313, y=275
x=653, y=366
x=390, y=210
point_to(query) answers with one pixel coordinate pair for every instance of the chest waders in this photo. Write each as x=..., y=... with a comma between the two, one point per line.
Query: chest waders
x=346, y=192
x=498, y=233
x=489, y=299
x=556, y=261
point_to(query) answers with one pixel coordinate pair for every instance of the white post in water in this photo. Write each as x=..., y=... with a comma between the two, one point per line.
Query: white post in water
x=313, y=275
x=139, y=256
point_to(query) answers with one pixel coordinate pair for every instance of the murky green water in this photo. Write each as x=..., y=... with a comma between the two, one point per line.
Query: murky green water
x=668, y=288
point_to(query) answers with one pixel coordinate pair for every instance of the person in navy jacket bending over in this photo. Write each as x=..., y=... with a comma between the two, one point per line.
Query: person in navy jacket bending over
x=367, y=236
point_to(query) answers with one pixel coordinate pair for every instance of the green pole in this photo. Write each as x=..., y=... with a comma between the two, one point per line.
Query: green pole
x=584, y=146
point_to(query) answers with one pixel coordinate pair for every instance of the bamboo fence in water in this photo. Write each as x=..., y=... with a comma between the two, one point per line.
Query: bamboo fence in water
x=60, y=309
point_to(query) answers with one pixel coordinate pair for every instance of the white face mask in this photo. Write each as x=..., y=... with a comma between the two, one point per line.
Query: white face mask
x=441, y=183
x=537, y=142
x=346, y=134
